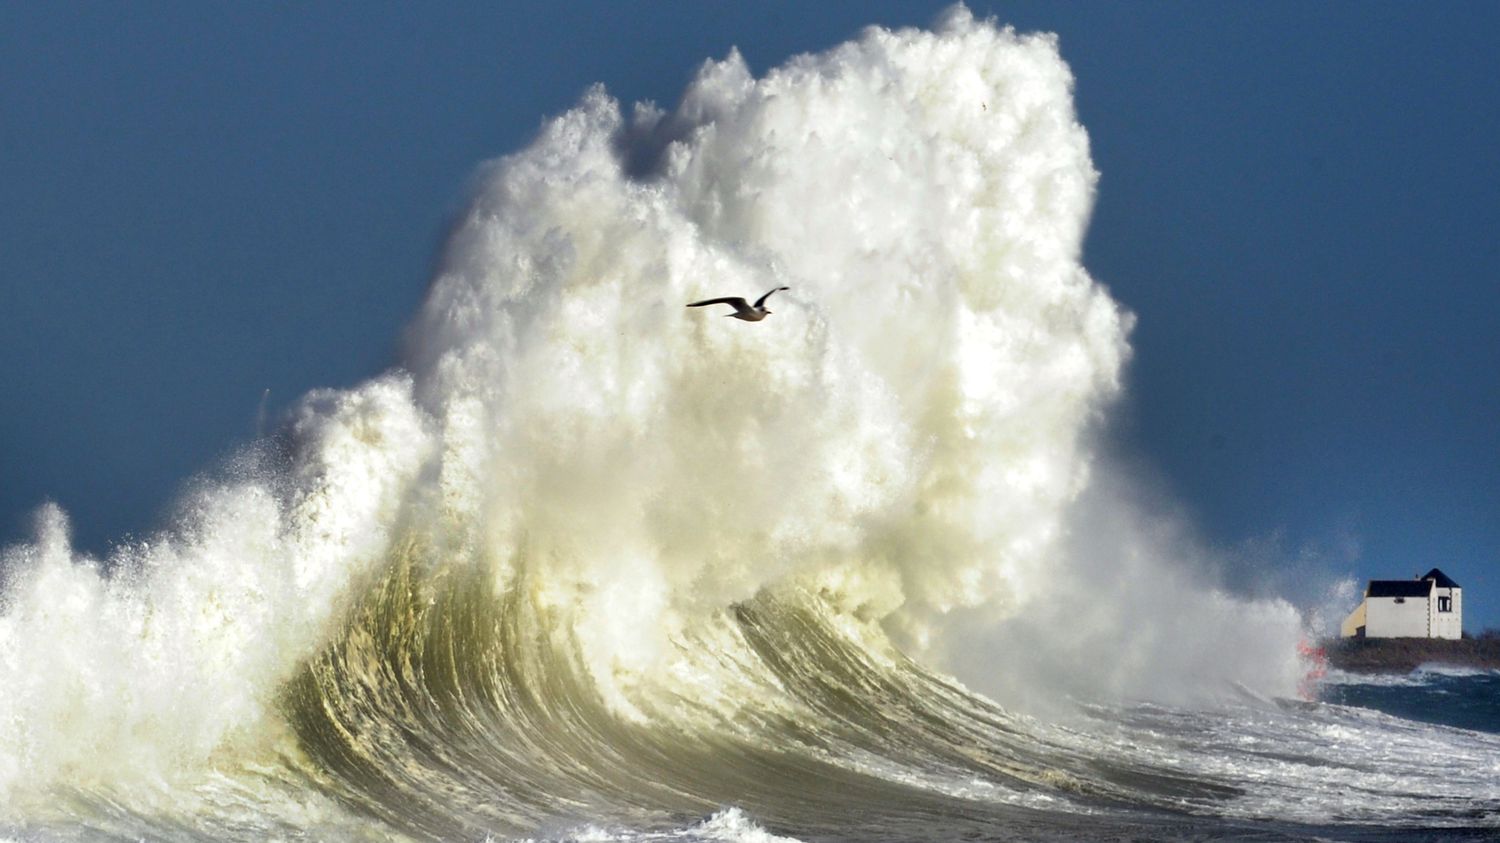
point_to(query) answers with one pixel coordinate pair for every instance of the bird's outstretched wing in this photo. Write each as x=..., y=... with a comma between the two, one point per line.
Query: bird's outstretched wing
x=735, y=302
x=762, y=300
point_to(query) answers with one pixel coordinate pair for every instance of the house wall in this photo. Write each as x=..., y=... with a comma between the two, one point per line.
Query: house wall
x=1385, y=618
x=1447, y=624
x=1350, y=627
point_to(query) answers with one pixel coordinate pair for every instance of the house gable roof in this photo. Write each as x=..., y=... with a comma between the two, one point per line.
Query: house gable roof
x=1399, y=588
x=1442, y=579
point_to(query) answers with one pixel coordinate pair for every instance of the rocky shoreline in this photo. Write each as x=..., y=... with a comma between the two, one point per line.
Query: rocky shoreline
x=1403, y=655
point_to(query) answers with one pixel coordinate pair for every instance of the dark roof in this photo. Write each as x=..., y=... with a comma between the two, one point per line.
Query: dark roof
x=1398, y=588
x=1442, y=579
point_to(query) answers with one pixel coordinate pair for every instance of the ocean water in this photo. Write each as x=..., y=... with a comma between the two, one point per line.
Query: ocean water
x=1464, y=698
x=591, y=565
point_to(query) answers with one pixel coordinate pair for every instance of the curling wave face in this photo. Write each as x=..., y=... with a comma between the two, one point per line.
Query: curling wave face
x=596, y=557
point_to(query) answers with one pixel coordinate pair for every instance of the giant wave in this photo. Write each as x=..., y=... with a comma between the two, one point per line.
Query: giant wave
x=591, y=560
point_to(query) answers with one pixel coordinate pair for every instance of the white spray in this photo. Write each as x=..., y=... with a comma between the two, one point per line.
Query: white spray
x=905, y=434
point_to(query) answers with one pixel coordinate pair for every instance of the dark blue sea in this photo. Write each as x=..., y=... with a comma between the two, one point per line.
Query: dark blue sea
x=1464, y=698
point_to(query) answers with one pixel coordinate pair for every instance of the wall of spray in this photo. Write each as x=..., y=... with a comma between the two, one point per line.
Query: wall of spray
x=909, y=436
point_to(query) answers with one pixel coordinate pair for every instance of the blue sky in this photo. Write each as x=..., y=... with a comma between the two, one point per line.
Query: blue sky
x=201, y=202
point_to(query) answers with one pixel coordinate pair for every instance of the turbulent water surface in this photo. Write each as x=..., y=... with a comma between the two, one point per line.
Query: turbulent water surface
x=595, y=565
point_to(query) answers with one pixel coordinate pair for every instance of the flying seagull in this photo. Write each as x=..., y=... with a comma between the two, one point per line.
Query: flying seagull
x=748, y=312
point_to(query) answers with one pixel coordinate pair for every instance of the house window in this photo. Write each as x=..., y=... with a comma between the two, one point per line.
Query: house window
x=1445, y=604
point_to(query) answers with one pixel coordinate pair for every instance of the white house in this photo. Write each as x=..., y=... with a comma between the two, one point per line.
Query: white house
x=1430, y=606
